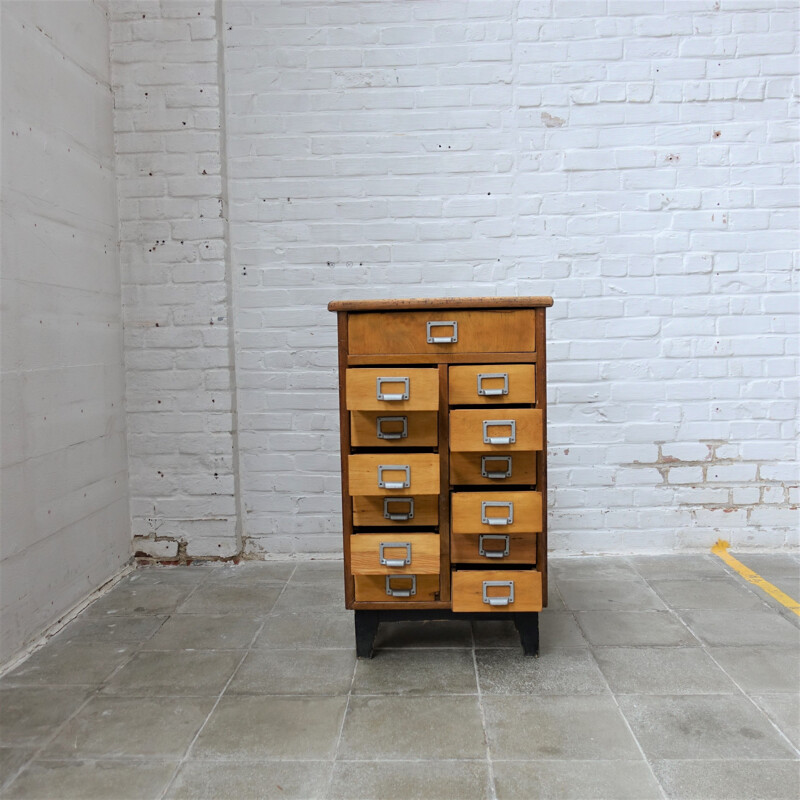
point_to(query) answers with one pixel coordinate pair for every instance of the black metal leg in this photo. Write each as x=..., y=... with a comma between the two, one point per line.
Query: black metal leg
x=528, y=628
x=366, y=628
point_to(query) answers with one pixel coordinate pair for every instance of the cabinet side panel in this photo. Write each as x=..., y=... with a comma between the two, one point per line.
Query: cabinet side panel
x=541, y=455
x=344, y=449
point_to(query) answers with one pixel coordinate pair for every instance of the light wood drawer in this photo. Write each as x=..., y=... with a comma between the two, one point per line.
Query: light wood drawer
x=392, y=389
x=492, y=384
x=400, y=473
x=493, y=549
x=490, y=331
x=394, y=429
x=493, y=469
x=474, y=589
x=408, y=553
x=496, y=429
x=396, y=511
x=496, y=512
x=398, y=588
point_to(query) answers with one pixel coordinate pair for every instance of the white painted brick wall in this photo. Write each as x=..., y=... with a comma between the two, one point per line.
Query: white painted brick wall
x=176, y=297
x=64, y=500
x=638, y=161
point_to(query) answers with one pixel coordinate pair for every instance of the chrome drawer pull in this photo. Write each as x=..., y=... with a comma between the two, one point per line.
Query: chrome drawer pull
x=494, y=537
x=486, y=473
x=380, y=394
x=496, y=423
x=483, y=376
x=394, y=484
x=403, y=592
x=395, y=516
x=507, y=520
x=395, y=434
x=442, y=339
x=395, y=562
x=499, y=601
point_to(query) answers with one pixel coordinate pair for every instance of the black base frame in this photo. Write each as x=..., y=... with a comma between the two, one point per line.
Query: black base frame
x=367, y=622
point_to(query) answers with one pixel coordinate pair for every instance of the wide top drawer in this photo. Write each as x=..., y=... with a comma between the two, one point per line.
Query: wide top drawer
x=442, y=331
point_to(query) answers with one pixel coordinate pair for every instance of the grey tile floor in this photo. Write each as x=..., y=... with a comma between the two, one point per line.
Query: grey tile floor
x=659, y=677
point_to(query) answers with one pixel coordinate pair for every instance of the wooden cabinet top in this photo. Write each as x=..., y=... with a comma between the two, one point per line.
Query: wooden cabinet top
x=424, y=303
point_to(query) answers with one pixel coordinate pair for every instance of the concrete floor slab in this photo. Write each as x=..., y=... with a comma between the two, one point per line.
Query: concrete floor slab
x=784, y=711
x=728, y=779
x=93, y=780
x=425, y=671
x=702, y=726
x=270, y=780
x=174, y=673
x=64, y=663
x=428, y=728
x=662, y=670
x=557, y=727
x=256, y=728
x=292, y=671
x=130, y=727
x=593, y=595
x=575, y=780
x=760, y=670
x=306, y=631
x=639, y=628
x=29, y=715
x=743, y=628
x=410, y=780
x=568, y=671
x=216, y=632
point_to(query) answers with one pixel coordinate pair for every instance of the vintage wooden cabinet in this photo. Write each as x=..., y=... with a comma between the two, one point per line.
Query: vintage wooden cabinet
x=443, y=407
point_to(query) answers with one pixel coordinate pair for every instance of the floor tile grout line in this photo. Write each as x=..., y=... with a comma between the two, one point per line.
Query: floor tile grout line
x=329, y=787
x=492, y=787
x=213, y=708
x=630, y=729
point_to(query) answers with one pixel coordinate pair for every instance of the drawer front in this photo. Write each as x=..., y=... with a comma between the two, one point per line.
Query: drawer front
x=492, y=384
x=399, y=589
x=492, y=469
x=394, y=429
x=493, y=549
x=394, y=553
x=442, y=332
x=396, y=511
x=496, y=512
x=392, y=389
x=497, y=590
x=490, y=430
x=378, y=474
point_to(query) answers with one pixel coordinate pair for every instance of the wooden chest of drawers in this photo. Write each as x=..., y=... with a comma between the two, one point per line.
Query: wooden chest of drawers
x=444, y=473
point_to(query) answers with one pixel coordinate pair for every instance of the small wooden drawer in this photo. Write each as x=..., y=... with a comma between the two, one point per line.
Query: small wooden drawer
x=490, y=430
x=440, y=332
x=496, y=512
x=396, y=511
x=392, y=389
x=493, y=548
x=493, y=469
x=397, y=588
x=497, y=590
x=378, y=474
x=394, y=553
x=492, y=384
x=391, y=429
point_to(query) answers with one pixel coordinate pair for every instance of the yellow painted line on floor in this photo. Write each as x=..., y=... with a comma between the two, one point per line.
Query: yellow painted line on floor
x=720, y=549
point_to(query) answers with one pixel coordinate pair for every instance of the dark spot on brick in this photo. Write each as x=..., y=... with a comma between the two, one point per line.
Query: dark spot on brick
x=717, y=134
